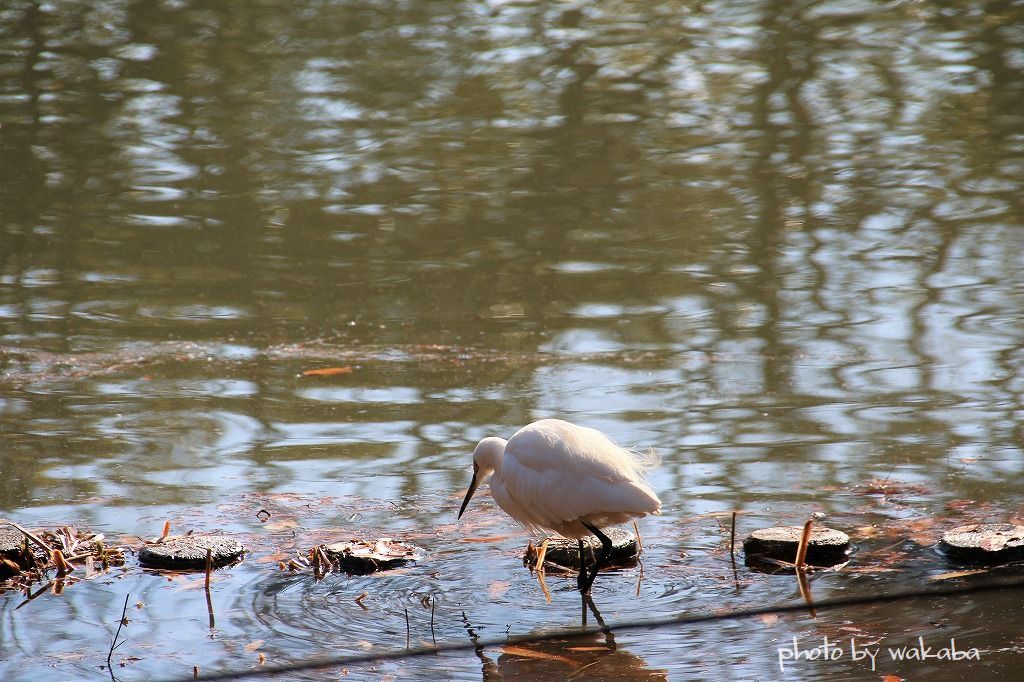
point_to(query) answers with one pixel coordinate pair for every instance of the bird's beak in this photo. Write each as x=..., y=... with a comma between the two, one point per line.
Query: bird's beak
x=472, y=489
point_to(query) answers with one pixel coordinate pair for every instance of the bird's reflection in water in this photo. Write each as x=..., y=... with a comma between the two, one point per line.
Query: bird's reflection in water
x=594, y=655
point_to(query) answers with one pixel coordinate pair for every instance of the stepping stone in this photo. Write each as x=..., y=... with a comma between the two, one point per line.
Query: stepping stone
x=370, y=556
x=188, y=552
x=565, y=552
x=984, y=543
x=825, y=547
x=12, y=544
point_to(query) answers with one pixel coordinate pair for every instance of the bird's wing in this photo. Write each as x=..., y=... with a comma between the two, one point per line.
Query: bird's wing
x=558, y=477
x=573, y=451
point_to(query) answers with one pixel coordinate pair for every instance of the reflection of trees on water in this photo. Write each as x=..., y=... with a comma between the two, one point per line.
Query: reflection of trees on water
x=818, y=211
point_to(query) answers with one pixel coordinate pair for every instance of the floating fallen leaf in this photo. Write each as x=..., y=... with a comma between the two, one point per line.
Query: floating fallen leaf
x=261, y=659
x=957, y=574
x=769, y=619
x=327, y=371
x=254, y=645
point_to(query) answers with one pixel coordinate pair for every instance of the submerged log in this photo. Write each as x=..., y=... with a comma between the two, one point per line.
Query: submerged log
x=189, y=552
x=370, y=556
x=984, y=543
x=826, y=546
x=565, y=552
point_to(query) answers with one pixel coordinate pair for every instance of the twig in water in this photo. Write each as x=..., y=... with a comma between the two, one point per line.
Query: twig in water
x=407, y=633
x=801, y=550
x=801, y=574
x=209, y=598
x=63, y=567
x=433, y=602
x=805, y=591
x=732, y=541
x=114, y=644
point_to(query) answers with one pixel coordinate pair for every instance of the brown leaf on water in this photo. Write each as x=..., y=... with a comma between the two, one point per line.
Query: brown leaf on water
x=254, y=645
x=923, y=531
x=261, y=659
x=769, y=619
x=892, y=678
x=957, y=574
x=281, y=524
x=327, y=371
x=530, y=653
x=498, y=588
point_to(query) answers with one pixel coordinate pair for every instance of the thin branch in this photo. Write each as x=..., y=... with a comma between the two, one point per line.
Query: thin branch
x=114, y=645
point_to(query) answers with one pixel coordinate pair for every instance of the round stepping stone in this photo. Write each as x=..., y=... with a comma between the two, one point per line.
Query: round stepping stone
x=825, y=547
x=984, y=543
x=370, y=556
x=12, y=544
x=189, y=552
x=12, y=541
x=566, y=552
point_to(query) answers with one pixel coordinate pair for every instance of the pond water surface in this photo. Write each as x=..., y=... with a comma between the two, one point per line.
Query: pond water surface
x=781, y=244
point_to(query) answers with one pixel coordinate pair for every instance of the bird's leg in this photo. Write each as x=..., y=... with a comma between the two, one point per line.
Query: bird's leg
x=542, y=551
x=581, y=579
x=606, y=550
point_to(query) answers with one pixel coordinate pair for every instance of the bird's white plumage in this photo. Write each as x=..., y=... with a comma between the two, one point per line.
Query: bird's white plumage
x=552, y=475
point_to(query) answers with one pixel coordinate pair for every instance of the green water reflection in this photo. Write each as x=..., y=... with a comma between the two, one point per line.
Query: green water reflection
x=781, y=243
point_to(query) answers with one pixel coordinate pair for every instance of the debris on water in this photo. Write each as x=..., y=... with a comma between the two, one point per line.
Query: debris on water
x=327, y=371
x=984, y=543
x=370, y=556
x=765, y=547
x=564, y=553
x=188, y=552
x=26, y=555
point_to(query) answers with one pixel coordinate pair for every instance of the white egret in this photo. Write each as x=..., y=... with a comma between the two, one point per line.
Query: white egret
x=573, y=480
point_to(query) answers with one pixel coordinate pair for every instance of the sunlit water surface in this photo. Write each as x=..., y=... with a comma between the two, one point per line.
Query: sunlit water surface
x=778, y=243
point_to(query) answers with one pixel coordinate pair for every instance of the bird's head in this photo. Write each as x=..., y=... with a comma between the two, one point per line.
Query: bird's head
x=486, y=460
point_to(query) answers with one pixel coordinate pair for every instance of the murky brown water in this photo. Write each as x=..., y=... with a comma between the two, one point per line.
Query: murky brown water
x=780, y=243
